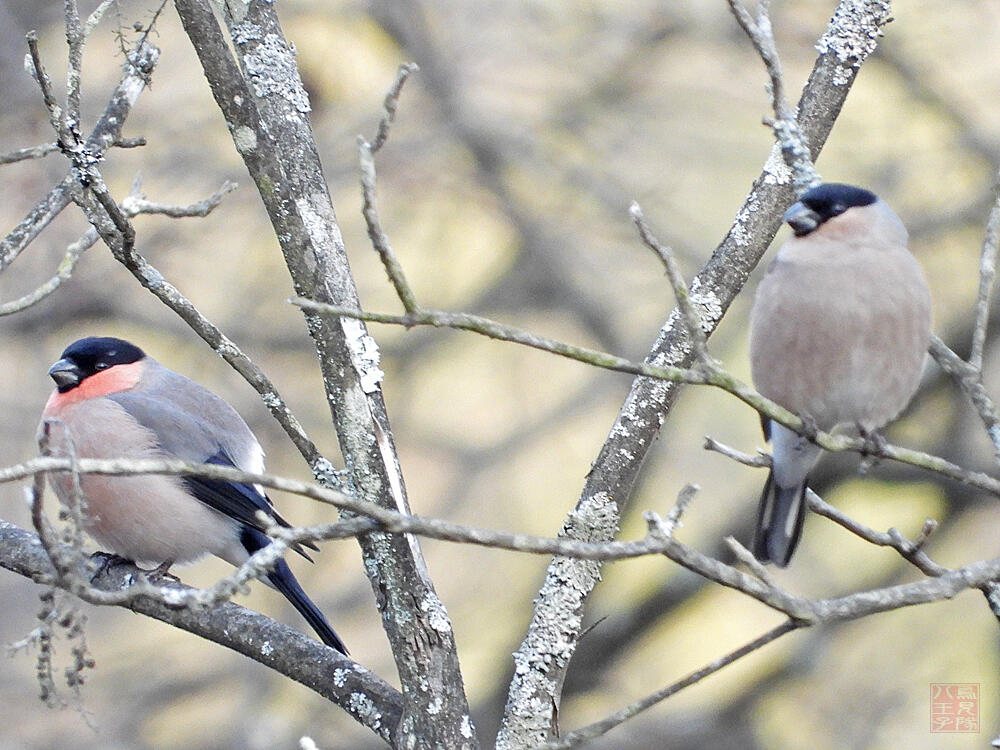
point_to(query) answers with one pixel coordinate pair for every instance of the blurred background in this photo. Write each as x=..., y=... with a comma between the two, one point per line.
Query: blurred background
x=504, y=189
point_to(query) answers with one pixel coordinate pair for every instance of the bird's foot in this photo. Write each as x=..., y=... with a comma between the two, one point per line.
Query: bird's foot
x=102, y=562
x=161, y=572
x=809, y=428
x=873, y=448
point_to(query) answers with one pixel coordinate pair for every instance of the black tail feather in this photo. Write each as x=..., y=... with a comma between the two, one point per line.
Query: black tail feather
x=780, y=516
x=282, y=578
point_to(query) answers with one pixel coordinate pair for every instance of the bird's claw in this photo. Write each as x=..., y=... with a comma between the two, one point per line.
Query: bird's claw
x=161, y=572
x=874, y=443
x=873, y=448
x=102, y=562
x=809, y=428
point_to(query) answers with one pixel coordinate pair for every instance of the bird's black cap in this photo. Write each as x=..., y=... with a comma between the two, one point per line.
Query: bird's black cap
x=83, y=358
x=823, y=202
x=832, y=198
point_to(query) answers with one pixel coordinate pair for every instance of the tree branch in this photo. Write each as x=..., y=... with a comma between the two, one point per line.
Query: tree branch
x=105, y=134
x=266, y=110
x=599, y=728
x=848, y=40
x=287, y=651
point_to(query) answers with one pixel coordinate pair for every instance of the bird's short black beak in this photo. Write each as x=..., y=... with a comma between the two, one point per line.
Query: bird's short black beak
x=67, y=375
x=801, y=219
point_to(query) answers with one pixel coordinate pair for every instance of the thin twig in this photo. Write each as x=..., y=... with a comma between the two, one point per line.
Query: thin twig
x=589, y=732
x=31, y=152
x=366, y=161
x=692, y=319
x=714, y=376
x=970, y=380
x=131, y=206
x=910, y=551
x=746, y=557
x=787, y=133
x=389, y=104
x=45, y=84
x=106, y=133
x=760, y=461
x=65, y=270
x=378, y=237
x=852, y=606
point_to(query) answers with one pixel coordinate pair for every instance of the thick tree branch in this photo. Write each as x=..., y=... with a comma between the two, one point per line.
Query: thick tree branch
x=266, y=109
x=287, y=651
x=848, y=40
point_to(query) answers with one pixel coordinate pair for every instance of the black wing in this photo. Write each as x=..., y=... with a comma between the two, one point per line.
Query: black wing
x=236, y=500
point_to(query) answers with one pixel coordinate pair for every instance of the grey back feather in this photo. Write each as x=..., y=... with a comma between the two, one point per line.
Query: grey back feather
x=190, y=422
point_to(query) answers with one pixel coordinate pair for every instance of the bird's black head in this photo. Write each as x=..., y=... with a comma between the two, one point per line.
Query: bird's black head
x=822, y=203
x=86, y=357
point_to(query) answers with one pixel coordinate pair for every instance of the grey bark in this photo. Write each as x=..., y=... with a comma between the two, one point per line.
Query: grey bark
x=266, y=110
x=365, y=696
x=541, y=662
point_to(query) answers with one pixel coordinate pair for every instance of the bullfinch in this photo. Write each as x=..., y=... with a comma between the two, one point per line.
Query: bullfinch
x=838, y=333
x=114, y=401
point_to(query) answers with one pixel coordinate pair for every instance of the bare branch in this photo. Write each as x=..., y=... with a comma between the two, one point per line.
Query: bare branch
x=746, y=557
x=849, y=38
x=131, y=206
x=501, y=332
x=96, y=15
x=788, y=134
x=136, y=203
x=106, y=133
x=692, y=320
x=75, y=41
x=706, y=375
x=591, y=731
x=287, y=651
x=31, y=152
x=910, y=551
x=45, y=83
x=659, y=540
x=366, y=160
x=65, y=270
x=378, y=237
x=271, y=130
x=390, y=103
x=759, y=461
x=987, y=279
x=970, y=379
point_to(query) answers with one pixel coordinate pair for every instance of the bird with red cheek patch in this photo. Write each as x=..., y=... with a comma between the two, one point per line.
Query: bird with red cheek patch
x=113, y=401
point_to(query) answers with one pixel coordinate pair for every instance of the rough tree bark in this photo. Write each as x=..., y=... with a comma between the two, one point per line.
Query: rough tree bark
x=266, y=110
x=544, y=655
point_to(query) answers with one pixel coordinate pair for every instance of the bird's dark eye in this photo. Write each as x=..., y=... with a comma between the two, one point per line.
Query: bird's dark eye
x=102, y=366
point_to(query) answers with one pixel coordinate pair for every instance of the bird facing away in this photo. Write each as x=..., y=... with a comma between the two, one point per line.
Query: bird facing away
x=838, y=333
x=114, y=401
